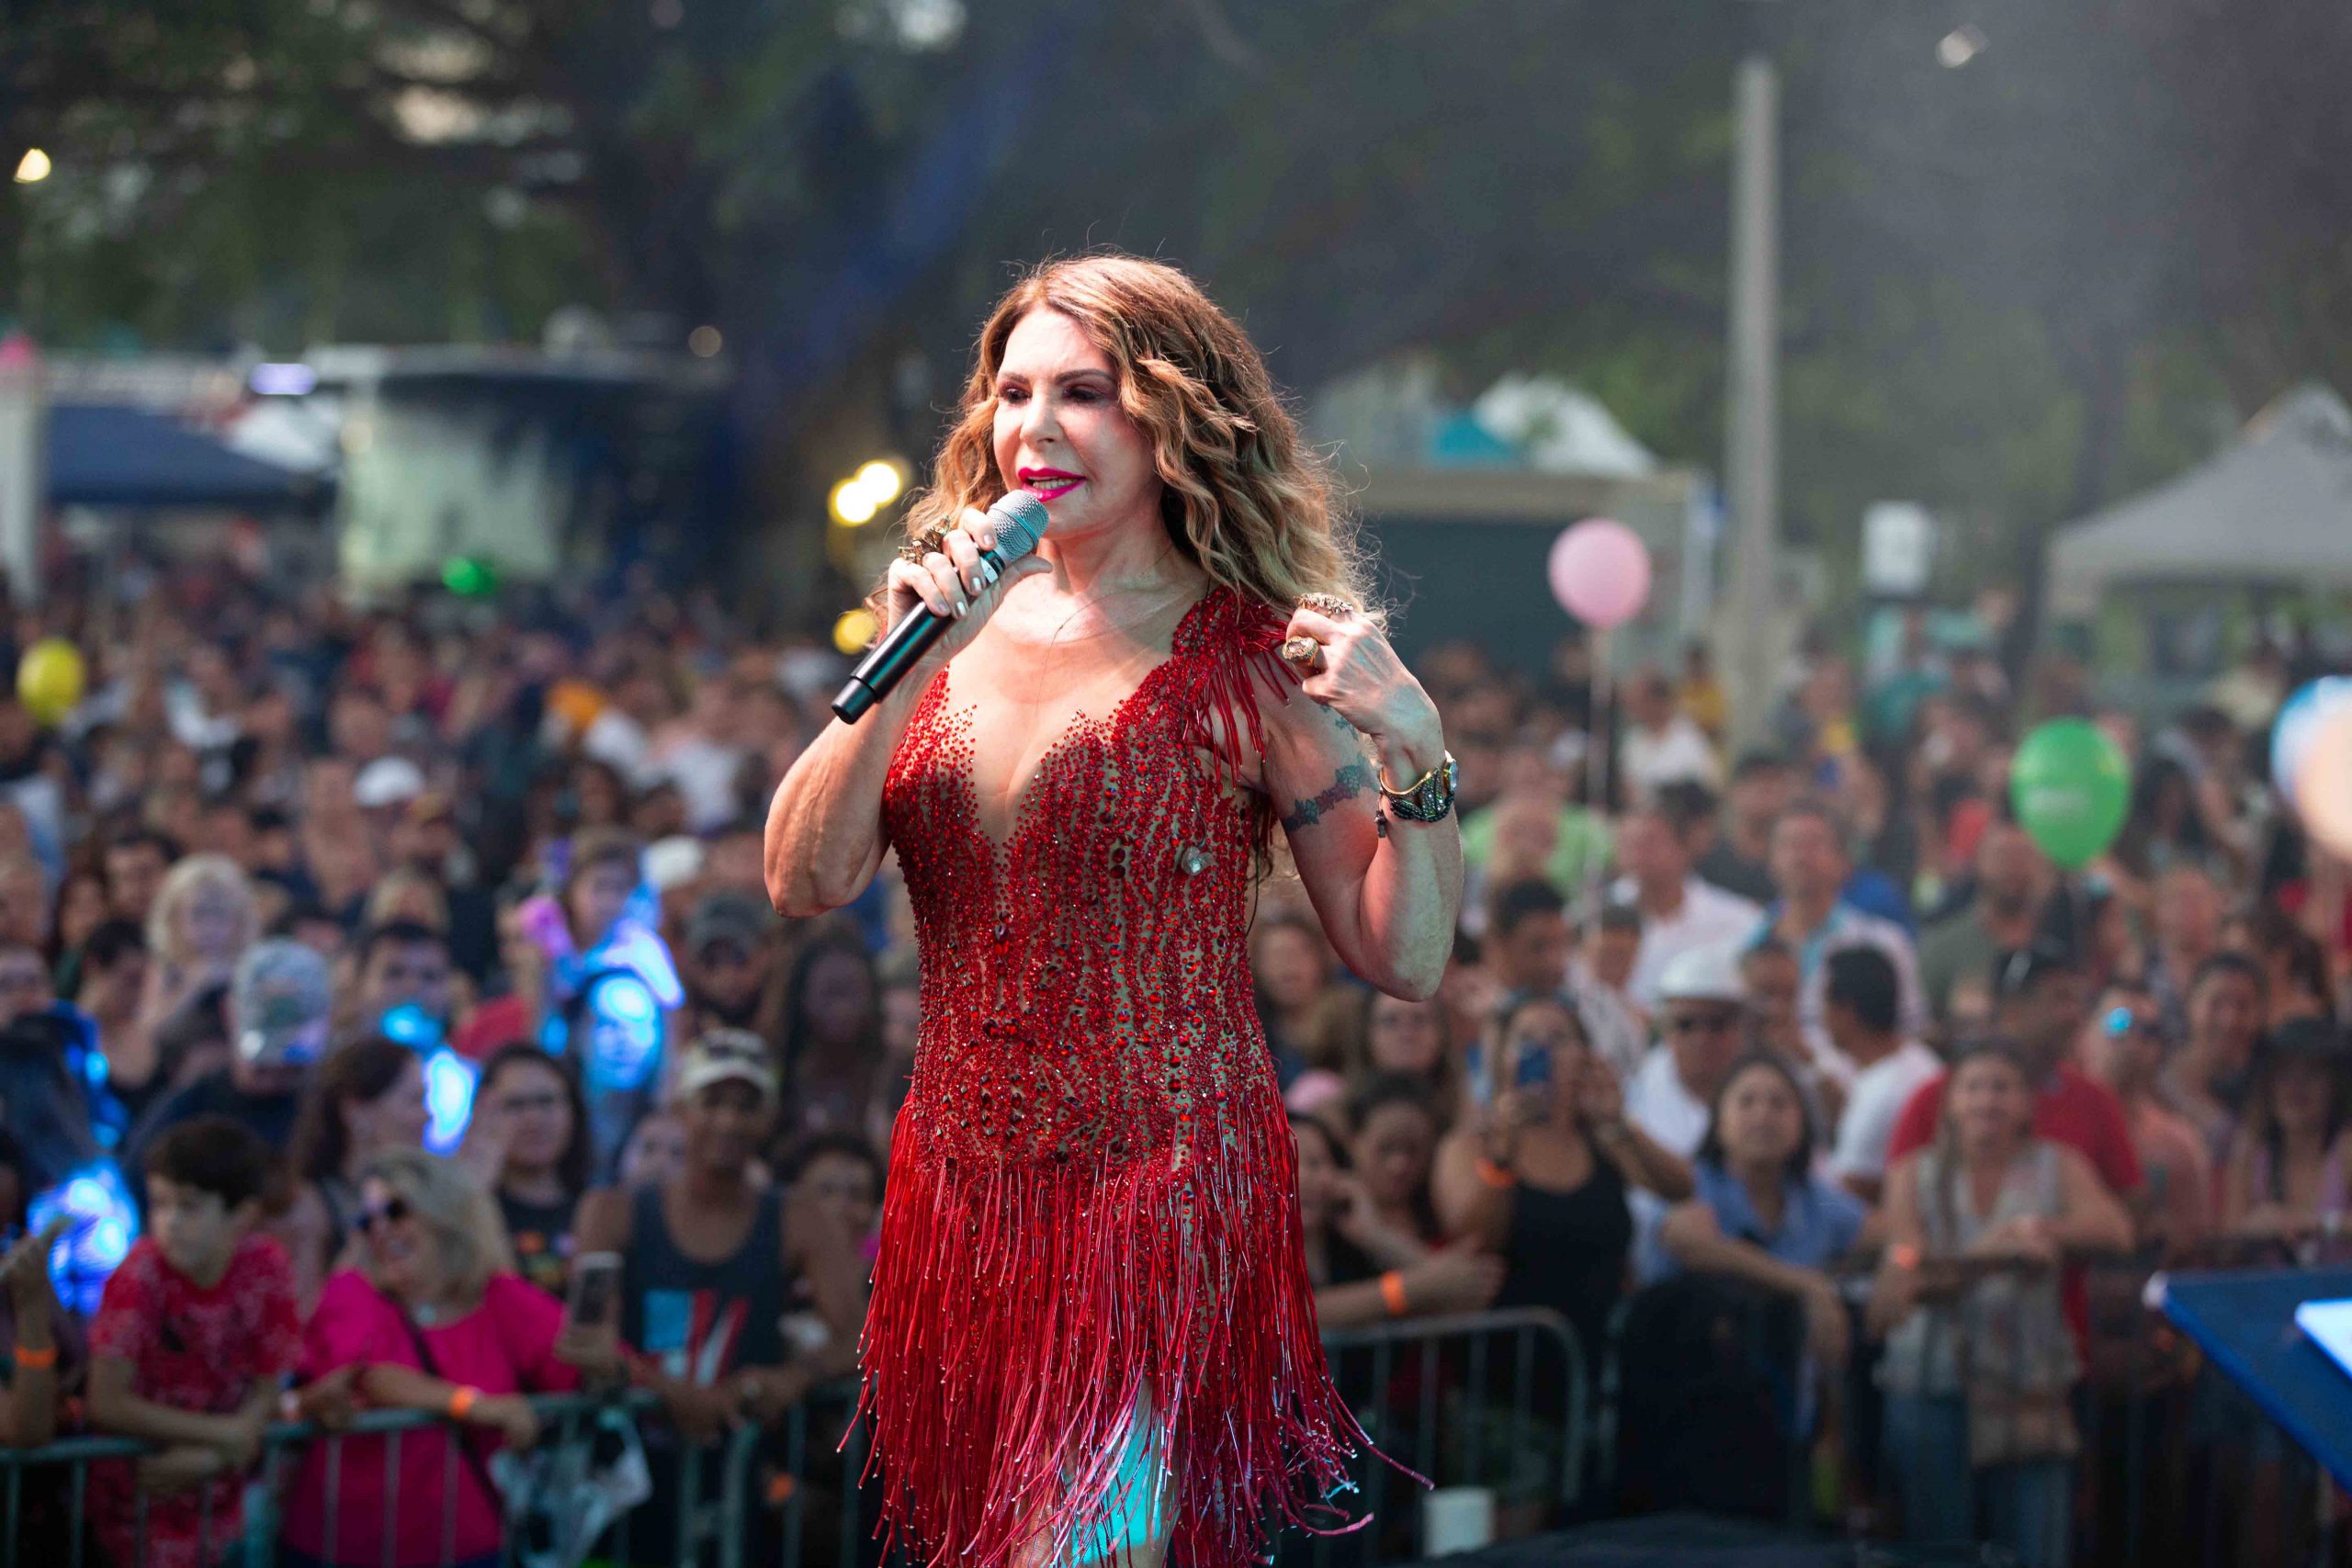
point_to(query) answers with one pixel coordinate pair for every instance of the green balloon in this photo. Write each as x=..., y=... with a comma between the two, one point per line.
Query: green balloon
x=2071, y=787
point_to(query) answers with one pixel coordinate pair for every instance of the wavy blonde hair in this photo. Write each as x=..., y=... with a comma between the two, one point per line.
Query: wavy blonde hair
x=458, y=1211
x=181, y=884
x=1243, y=497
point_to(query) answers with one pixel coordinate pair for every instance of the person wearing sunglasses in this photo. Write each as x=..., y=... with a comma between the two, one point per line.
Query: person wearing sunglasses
x=2125, y=1046
x=436, y=1320
x=1703, y=1020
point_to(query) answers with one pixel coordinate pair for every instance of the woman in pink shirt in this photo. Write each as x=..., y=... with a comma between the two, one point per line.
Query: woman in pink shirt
x=434, y=1321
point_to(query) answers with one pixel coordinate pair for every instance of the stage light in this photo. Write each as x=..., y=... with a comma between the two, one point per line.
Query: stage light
x=704, y=341
x=853, y=504
x=853, y=630
x=282, y=380
x=882, y=479
x=33, y=167
x=1959, y=46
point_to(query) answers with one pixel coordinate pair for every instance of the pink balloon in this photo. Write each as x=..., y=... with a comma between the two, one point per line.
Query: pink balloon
x=1601, y=572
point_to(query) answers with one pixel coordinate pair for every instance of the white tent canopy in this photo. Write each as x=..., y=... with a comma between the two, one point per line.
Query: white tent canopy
x=2276, y=508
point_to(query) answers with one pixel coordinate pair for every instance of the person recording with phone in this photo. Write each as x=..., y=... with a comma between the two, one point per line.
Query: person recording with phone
x=434, y=1320
x=1539, y=1171
x=708, y=1260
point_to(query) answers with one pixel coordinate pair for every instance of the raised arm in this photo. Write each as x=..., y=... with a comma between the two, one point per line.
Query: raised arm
x=1388, y=902
x=824, y=833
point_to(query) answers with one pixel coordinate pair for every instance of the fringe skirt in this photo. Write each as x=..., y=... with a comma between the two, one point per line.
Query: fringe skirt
x=1035, y=1328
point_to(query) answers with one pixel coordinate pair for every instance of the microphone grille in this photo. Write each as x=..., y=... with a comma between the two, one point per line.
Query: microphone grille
x=1020, y=523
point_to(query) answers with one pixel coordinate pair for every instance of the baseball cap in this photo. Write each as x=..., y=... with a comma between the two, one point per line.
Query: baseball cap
x=729, y=915
x=719, y=1055
x=673, y=861
x=279, y=1002
x=387, y=781
x=1702, y=974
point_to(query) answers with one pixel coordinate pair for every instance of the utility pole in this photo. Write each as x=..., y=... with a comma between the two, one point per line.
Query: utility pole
x=1752, y=444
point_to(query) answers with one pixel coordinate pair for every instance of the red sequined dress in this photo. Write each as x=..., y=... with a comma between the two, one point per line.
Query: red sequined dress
x=1091, y=1211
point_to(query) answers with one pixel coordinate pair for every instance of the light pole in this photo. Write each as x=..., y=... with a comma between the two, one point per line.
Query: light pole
x=1752, y=435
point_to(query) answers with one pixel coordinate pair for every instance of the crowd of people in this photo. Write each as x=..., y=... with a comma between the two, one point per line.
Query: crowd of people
x=372, y=968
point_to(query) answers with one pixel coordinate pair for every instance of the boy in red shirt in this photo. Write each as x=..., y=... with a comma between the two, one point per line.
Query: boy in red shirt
x=193, y=1340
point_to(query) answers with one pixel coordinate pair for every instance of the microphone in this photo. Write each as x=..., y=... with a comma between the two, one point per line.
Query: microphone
x=1020, y=520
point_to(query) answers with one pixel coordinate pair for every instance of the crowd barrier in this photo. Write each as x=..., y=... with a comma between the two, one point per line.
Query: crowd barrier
x=1700, y=1398
x=2174, y=1466
x=1496, y=1401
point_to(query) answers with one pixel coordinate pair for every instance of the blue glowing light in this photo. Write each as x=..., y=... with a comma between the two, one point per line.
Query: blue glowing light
x=104, y=1224
x=623, y=1033
x=409, y=1025
x=449, y=1082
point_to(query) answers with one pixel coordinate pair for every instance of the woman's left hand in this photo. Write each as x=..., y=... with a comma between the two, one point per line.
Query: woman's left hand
x=594, y=1352
x=1357, y=676
x=1599, y=1099
x=1357, y=1216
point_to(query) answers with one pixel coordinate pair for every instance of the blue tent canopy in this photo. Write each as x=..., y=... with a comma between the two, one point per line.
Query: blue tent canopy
x=105, y=456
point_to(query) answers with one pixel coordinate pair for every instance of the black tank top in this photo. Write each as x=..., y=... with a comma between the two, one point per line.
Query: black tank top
x=1567, y=1251
x=704, y=1320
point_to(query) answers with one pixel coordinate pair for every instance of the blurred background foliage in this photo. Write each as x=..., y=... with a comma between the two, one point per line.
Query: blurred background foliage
x=2017, y=286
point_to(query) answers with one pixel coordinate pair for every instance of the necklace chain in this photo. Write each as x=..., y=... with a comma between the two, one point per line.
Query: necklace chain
x=1057, y=640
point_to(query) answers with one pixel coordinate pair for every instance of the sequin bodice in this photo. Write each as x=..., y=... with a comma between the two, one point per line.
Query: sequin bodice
x=1085, y=985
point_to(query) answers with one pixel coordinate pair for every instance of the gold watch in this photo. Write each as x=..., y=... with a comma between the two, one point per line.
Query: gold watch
x=1428, y=798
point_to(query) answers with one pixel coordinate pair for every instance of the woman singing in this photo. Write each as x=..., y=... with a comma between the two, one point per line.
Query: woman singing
x=1091, y=1335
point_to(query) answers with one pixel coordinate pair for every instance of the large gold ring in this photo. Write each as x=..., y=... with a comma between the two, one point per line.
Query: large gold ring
x=1303, y=651
x=1328, y=603
x=932, y=540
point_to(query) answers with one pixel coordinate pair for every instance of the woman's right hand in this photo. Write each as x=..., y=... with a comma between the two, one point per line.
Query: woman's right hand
x=702, y=1412
x=1827, y=1327
x=2025, y=1239
x=954, y=584
x=512, y=1417
x=1455, y=1280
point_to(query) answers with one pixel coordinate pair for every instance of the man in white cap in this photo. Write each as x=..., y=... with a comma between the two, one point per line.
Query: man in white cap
x=1702, y=1028
x=710, y=1260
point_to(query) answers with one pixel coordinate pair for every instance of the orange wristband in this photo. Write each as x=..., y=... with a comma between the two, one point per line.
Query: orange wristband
x=462, y=1404
x=1495, y=1176
x=1392, y=1292
x=36, y=1360
x=1903, y=1255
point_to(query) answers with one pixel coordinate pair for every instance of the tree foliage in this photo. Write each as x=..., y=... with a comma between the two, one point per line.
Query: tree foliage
x=2012, y=288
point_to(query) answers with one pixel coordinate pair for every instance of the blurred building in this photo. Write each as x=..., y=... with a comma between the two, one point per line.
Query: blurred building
x=1465, y=500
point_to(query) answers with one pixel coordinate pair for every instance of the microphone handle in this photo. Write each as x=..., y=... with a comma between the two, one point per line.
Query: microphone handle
x=880, y=672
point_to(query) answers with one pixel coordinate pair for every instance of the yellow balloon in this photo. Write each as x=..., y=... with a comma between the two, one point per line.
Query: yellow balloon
x=50, y=678
x=2323, y=784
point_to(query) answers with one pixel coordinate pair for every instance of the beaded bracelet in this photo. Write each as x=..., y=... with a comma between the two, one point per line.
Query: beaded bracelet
x=36, y=1360
x=1392, y=1292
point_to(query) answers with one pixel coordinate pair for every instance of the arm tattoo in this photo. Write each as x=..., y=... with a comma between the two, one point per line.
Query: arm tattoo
x=1354, y=779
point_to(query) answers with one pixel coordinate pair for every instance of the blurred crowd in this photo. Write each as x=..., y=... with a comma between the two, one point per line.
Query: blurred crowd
x=362, y=971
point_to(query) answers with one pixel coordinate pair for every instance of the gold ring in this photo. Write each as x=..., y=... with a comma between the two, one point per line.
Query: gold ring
x=932, y=540
x=1330, y=603
x=1303, y=651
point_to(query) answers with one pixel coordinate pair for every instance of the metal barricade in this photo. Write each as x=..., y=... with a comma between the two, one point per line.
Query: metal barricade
x=1495, y=1400
x=2173, y=1467
x=47, y=1491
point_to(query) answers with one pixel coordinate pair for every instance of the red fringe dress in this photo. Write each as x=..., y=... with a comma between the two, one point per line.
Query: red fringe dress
x=1091, y=1217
